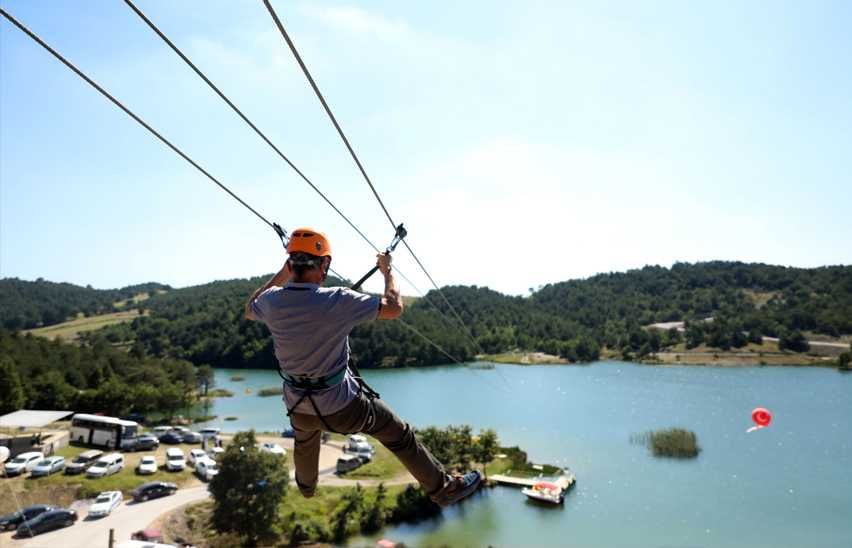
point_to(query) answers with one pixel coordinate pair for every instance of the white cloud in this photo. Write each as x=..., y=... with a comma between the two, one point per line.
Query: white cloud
x=512, y=214
x=357, y=20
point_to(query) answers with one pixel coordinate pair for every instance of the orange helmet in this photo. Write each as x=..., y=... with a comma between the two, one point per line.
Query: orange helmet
x=310, y=241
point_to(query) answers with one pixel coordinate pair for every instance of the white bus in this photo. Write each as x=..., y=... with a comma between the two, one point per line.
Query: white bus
x=101, y=431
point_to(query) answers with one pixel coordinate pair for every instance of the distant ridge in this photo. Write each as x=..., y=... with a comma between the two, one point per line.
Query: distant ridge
x=574, y=319
x=29, y=304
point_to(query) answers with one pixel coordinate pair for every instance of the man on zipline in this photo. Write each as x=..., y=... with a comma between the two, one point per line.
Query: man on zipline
x=310, y=328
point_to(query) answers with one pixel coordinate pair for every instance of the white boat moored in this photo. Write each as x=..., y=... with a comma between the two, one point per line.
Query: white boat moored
x=545, y=492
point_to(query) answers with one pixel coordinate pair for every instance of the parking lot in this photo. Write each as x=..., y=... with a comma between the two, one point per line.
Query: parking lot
x=129, y=516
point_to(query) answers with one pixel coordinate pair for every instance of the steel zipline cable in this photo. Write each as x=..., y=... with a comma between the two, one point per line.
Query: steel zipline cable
x=178, y=151
x=281, y=233
x=254, y=127
x=130, y=113
x=260, y=134
x=333, y=119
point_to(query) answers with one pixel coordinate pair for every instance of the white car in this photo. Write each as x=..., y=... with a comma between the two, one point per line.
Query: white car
x=160, y=430
x=105, y=503
x=23, y=463
x=206, y=468
x=148, y=465
x=274, y=448
x=195, y=454
x=214, y=452
x=106, y=466
x=210, y=432
x=174, y=459
x=360, y=447
x=48, y=466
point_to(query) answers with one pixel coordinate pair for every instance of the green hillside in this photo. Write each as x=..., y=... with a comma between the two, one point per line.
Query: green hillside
x=574, y=319
x=27, y=305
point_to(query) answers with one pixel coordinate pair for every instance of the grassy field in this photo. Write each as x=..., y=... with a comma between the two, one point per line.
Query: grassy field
x=138, y=298
x=511, y=461
x=760, y=298
x=71, y=329
x=752, y=354
x=523, y=358
x=383, y=466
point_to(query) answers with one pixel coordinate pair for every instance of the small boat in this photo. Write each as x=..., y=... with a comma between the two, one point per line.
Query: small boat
x=545, y=492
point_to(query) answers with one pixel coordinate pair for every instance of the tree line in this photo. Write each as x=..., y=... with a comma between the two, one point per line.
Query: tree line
x=575, y=319
x=37, y=373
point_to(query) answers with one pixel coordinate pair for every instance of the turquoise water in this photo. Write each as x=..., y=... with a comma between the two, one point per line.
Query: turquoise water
x=789, y=485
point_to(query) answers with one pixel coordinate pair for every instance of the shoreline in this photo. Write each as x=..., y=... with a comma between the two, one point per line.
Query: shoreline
x=700, y=358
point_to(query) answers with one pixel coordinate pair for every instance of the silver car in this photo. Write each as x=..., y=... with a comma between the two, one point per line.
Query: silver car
x=191, y=437
x=47, y=466
x=23, y=463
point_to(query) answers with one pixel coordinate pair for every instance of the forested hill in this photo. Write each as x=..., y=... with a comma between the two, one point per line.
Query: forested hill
x=575, y=319
x=25, y=304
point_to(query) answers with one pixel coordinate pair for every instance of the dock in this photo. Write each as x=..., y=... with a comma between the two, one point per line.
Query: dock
x=564, y=481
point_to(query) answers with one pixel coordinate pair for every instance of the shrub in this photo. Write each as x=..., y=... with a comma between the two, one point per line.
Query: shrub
x=674, y=442
x=413, y=504
x=793, y=340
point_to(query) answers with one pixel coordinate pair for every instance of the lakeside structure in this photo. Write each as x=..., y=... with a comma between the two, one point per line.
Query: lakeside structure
x=565, y=481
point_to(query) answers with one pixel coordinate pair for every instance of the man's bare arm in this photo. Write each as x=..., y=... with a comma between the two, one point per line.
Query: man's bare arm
x=391, y=301
x=279, y=280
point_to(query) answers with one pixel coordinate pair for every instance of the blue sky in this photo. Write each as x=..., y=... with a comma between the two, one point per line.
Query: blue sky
x=521, y=143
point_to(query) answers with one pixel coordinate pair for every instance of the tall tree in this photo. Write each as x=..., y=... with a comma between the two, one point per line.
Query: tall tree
x=793, y=340
x=205, y=377
x=485, y=448
x=12, y=396
x=248, y=489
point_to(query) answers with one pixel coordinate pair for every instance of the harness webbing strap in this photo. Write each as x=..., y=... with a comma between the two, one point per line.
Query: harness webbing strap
x=309, y=386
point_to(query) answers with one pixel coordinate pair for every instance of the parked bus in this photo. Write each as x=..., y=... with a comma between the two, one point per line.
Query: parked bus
x=101, y=431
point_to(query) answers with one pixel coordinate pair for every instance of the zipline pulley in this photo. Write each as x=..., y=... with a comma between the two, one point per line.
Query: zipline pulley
x=400, y=234
x=281, y=233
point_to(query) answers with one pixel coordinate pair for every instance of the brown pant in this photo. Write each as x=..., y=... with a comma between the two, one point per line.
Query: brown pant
x=367, y=416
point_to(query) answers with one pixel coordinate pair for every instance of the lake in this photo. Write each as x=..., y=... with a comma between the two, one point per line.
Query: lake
x=788, y=485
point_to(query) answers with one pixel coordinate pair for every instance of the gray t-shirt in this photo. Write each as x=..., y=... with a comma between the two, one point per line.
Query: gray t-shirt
x=310, y=328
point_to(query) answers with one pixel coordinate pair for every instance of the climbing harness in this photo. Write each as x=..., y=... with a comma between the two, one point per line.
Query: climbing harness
x=309, y=386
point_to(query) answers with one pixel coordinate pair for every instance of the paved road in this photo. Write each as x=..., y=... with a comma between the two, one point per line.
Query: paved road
x=125, y=519
x=828, y=344
x=680, y=327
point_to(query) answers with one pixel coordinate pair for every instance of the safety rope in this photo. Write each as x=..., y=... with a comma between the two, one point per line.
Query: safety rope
x=333, y=119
